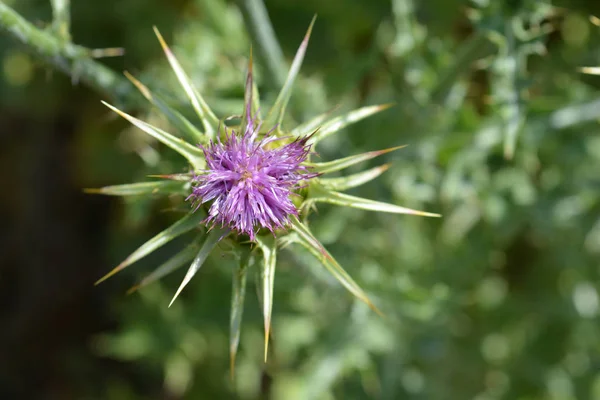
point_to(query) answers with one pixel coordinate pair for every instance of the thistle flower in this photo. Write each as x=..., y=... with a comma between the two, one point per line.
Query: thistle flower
x=244, y=179
x=250, y=183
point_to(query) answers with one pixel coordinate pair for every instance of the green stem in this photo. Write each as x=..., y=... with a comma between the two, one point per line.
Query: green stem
x=76, y=62
x=260, y=28
x=61, y=23
x=71, y=59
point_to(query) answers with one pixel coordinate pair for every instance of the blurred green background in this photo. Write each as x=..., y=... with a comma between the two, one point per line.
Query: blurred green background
x=496, y=300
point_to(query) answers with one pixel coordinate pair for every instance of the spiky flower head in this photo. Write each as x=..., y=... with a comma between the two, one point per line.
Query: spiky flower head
x=250, y=182
x=245, y=180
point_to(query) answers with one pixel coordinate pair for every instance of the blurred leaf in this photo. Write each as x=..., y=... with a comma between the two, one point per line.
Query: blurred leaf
x=590, y=70
x=258, y=24
x=305, y=237
x=475, y=47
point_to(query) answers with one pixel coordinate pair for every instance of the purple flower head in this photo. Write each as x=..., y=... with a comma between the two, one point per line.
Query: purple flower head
x=249, y=182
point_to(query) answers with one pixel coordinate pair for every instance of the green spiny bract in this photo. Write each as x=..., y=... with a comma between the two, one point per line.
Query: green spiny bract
x=293, y=227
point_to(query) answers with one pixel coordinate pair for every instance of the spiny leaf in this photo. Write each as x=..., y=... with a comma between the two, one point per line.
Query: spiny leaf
x=177, y=261
x=275, y=115
x=140, y=188
x=354, y=180
x=208, y=118
x=174, y=177
x=305, y=238
x=268, y=247
x=248, y=96
x=178, y=120
x=256, y=101
x=337, y=165
x=310, y=126
x=336, y=124
x=320, y=194
x=259, y=295
x=237, y=308
x=210, y=242
x=193, y=154
x=185, y=224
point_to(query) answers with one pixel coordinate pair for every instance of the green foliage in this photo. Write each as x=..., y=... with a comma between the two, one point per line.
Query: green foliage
x=496, y=300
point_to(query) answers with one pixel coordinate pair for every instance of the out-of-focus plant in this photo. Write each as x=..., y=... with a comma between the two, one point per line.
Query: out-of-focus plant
x=497, y=300
x=256, y=180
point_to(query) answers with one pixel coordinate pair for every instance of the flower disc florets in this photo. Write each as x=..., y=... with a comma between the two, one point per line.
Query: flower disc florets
x=249, y=182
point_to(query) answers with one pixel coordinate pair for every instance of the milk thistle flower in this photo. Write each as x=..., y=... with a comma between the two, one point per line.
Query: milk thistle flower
x=243, y=185
x=249, y=183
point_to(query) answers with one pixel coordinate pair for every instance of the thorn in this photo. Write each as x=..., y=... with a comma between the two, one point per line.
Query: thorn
x=139, y=85
x=231, y=365
x=426, y=214
x=177, y=294
x=163, y=44
x=310, y=27
x=250, y=61
x=385, y=106
x=133, y=289
x=590, y=70
x=375, y=309
x=113, y=272
x=267, y=332
x=384, y=167
x=377, y=153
